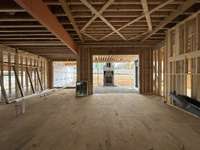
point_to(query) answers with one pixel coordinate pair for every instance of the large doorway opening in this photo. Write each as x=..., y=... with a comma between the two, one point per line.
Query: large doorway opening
x=115, y=73
x=64, y=74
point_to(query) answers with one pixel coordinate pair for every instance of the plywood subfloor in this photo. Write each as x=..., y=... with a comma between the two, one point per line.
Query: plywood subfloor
x=113, y=89
x=99, y=122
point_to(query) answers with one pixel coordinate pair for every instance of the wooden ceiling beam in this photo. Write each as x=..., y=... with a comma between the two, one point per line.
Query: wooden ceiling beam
x=107, y=4
x=39, y=10
x=21, y=26
x=65, y=6
x=11, y=10
x=27, y=34
x=33, y=43
x=27, y=38
x=24, y=31
x=116, y=43
x=175, y=14
x=130, y=2
x=17, y=19
x=138, y=18
x=146, y=13
x=86, y=3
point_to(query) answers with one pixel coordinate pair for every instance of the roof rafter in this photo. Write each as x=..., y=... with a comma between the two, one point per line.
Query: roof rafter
x=138, y=18
x=175, y=14
x=67, y=11
x=86, y=3
x=146, y=13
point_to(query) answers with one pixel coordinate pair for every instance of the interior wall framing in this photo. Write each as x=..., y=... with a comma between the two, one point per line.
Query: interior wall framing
x=159, y=69
x=85, y=61
x=181, y=56
x=22, y=73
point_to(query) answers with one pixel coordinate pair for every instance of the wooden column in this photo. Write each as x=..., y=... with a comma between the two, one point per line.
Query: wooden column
x=84, y=68
x=146, y=71
x=50, y=75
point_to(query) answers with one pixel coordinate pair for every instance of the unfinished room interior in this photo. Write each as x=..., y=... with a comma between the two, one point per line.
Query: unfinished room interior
x=100, y=74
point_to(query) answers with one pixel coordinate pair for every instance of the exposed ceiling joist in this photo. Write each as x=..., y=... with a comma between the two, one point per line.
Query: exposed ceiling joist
x=175, y=14
x=130, y=2
x=27, y=38
x=89, y=36
x=33, y=43
x=26, y=34
x=23, y=31
x=39, y=10
x=146, y=13
x=67, y=11
x=85, y=2
x=107, y=4
x=139, y=35
x=138, y=18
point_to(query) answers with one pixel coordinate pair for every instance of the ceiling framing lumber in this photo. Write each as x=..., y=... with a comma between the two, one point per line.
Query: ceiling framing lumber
x=23, y=31
x=143, y=23
x=175, y=14
x=146, y=13
x=33, y=43
x=139, y=35
x=67, y=11
x=90, y=36
x=138, y=18
x=86, y=3
x=107, y=4
x=39, y=10
x=156, y=2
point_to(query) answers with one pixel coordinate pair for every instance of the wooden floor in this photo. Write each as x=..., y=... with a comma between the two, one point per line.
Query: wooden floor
x=100, y=122
x=113, y=89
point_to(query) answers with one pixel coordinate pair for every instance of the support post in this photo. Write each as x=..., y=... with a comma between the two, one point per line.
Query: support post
x=50, y=75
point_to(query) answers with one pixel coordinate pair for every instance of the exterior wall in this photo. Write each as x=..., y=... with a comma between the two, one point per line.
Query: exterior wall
x=15, y=81
x=84, y=65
